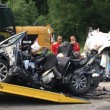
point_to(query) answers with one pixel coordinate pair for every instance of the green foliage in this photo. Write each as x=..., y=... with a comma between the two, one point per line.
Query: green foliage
x=3, y=1
x=42, y=7
x=64, y=17
x=103, y=9
x=62, y=14
x=74, y=17
x=67, y=17
x=42, y=20
x=24, y=13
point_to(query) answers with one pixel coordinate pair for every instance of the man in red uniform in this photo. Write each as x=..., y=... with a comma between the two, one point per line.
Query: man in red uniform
x=55, y=45
x=76, y=46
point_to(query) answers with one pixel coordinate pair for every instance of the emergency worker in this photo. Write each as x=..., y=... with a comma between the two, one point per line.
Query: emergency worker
x=76, y=46
x=55, y=45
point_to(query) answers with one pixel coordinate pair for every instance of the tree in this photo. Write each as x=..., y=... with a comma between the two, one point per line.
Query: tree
x=63, y=17
x=3, y=1
x=76, y=16
x=42, y=20
x=24, y=13
x=67, y=17
x=42, y=7
x=103, y=9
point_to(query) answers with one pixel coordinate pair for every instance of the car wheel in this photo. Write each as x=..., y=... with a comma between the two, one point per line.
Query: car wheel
x=80, y=84
x=4, y=77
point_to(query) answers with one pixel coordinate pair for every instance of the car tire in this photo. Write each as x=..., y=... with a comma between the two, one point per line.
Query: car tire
x=4, y=77
x=82, y=89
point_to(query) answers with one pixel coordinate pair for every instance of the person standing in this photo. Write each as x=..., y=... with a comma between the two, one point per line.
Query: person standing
x=55, y=45
x=76, y=46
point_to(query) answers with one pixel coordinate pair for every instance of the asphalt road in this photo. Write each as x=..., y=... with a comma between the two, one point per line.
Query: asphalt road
x=12, y=102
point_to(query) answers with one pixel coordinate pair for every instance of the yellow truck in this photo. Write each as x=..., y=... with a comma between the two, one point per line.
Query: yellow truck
x=7, y=28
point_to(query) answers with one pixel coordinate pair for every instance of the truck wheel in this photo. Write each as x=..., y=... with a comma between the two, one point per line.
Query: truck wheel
x=4, y=77
x=80, y=85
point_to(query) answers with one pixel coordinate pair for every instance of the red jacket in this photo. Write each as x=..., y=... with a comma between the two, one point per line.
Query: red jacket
x=76, y=47
x=54, y=47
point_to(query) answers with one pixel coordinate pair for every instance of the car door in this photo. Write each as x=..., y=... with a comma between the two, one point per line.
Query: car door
x=11, y=46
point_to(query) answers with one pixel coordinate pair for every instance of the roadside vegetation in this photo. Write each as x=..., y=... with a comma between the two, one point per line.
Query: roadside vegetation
x=66, y=17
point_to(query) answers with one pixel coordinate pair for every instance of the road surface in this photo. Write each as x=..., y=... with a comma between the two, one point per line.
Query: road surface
x=13, y=102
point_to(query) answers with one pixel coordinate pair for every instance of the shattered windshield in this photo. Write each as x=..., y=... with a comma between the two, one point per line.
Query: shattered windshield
x=13, y=39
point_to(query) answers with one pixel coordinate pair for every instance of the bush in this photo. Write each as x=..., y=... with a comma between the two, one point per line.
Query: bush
x=24, y=13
